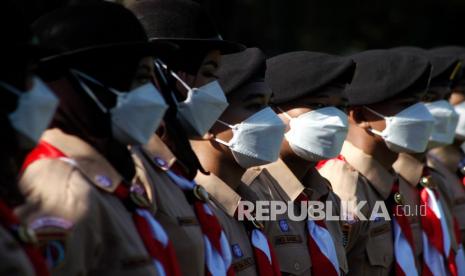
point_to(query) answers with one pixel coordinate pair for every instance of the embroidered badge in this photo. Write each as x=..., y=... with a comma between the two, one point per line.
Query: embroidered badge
x=283, y=225
x=161, y=163
x=51, y=234
x=237, y=251
x=103, y=181
x=55, y=222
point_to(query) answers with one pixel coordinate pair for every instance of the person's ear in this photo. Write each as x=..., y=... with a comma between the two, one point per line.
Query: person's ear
x=357, y=117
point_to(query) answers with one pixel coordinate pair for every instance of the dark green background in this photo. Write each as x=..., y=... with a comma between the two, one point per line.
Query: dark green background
x=334, y=26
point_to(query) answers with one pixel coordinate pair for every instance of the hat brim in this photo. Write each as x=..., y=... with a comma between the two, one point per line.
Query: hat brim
x=152, y=48
x=224, y=46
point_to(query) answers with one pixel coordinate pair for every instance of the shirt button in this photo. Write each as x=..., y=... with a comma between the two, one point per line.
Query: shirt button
x=296, y=266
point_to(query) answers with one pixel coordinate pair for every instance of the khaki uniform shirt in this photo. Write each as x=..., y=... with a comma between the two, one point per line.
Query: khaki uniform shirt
x=437, y=159
x=173, y=211
x=276, y=182
x=99, y=235
x=411, y=170
x=13, y=260
x=361, y=178
x=226, y=202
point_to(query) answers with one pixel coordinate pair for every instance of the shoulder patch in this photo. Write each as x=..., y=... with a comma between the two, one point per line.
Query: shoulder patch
x=51, y=234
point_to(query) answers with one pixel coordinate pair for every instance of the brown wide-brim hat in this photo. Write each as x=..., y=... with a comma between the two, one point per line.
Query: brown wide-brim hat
x=105, y=28
x=182, y=22
x=17, y=38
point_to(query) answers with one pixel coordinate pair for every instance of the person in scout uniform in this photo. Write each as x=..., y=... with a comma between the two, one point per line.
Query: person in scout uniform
x=82, y=170
x=247, y=134
x=182, y=206
x=427, y=186
x=27, y=105
x=385, y=118
x=447, y=159
x=306, y=86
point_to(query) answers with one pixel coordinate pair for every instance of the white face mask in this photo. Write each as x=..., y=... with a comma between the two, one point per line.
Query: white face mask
x=318, y=134
x=257, y=140
x=136, y=115
x=408, y=131
x=34, y=111
x=460, y=130
x=202, y=107
x=445, y=123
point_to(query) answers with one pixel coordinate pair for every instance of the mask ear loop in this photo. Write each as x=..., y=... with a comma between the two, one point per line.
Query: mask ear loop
x=86, y=88
x=285, y=113
x=11, y=88
x=221, y=141
x=374, y=131
x=178, y=78
x=160, y=64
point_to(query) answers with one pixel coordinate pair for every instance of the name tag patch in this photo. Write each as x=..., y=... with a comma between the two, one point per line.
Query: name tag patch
x=241, y=265
x=285, y=239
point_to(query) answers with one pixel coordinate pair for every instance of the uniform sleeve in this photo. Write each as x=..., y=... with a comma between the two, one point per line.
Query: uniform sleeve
x=13, y=259
x=62, y=207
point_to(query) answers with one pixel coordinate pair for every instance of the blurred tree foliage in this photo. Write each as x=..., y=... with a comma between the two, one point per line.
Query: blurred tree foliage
x=334, y=26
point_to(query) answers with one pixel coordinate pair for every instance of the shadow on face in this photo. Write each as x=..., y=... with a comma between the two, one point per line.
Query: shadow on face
x=205, y=74
x=366, y=119
x=243, y=103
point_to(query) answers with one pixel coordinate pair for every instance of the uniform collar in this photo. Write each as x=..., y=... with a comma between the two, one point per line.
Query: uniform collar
x=380, y=178
x=317, y=185
x=158, y=151
x=89, y=162
x=281, y=173
x=409, y=168
x=220, y=191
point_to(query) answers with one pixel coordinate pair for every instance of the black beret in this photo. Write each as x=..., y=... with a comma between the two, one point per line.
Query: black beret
x=452, y=52
x=383, y=74
x=295, y=74
x=443, y=66
x=449, y=51
x=241, y=68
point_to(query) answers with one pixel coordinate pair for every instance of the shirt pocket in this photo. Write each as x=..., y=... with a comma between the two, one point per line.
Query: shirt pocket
x=379, y=248
x=294, y=258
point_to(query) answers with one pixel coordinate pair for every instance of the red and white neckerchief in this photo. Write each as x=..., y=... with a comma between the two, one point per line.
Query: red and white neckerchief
x=460, y=256
x=218, y=258
x=150, y=231
x=265, y=258
x=404, y=249
x=321, y=246
x=264, y=255
x=403, y=237
x=438, y=256
x=12, y=224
